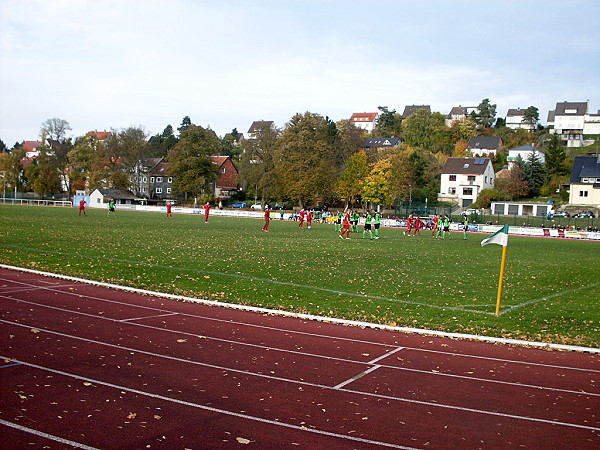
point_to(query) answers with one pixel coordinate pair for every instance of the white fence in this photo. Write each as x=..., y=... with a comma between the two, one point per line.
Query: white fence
x=25, y=201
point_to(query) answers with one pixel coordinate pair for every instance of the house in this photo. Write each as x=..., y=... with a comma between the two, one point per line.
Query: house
x=160, y=181
x=140, y=178
x=365, y=121
x=458, y=113
x=226, y=184
x=379, y=143
x=585, y=181
x=514, y=120
x=100, y=135
x=462, y=180
x=258, y=126
x=32, y=148
x=101, y=196
x=525, y=152
x=484, y=145
x=571, y=121
x=521, y=208
x=409, y=110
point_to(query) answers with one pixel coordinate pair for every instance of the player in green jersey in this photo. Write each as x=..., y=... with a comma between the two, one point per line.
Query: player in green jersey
x=368, y=222
x=377, y=223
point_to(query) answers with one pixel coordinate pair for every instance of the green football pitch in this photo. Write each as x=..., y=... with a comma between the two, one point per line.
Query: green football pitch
x=551, y=289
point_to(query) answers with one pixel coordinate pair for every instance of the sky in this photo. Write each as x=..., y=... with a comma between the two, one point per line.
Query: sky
x=112, y=64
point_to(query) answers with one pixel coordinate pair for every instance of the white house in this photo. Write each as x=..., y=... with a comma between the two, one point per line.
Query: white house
x=365, y=121
x=484, y=145
x=100, y=197
x=585, y=181
x=463, y=179
x=572, y=121
x=258, y=126
x=525, y=152
x=514, y=120
x=458, y=113
x=521, y=208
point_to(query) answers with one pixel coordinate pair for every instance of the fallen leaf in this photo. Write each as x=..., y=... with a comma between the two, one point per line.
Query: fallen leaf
x=242, y=440
x=181, y=340
x=131, y=415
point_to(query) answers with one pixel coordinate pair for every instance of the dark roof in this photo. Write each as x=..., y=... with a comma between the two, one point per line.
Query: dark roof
x=147, y=164
x=515, y=112
x=459, y=111
x=117, y=194
x=485, y=142
x=260, y=125
x=585, y=167
x=574, y=108
x=527, y=148
x=408, y=110
x=161, y=169
x=466, y=166
x=381, y=142
x=551, y=115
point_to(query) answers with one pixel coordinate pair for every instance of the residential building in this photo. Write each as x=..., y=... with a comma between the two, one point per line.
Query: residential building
x=571, y=121
x=521, y=208
x=458, y=113
x=379, y=143
x=409, y=110
x=525, y=152
x=226, y=184
x=160, y=181
x=101, y=196
x=140, y=178
x=365, y=121
x=484, y=145
x=257, y=126
x=585, y=181
x=514, y=120
x=462, y=180
x=32, y=149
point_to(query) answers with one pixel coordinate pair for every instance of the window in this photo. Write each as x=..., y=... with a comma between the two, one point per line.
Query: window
x=159, y=190
x=452, y=191
x=471, y=178
x=159, y=179
x=467, y=191
x=223, y=170
x=145, y=179
x=452, y=177
x=170, y=180
x=583, y=193
x=151, y=179
x=168, y=190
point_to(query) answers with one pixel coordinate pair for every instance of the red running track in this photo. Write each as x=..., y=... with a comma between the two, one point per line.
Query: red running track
x=92, y=367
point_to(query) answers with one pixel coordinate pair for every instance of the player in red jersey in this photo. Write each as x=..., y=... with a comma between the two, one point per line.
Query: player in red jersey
x=417, y=226
x=267, y=219
x=169, y=209
x=434, y=229
x=206, y=212
x=301, y=218
x=82, y=203
x=309, y=217
x=409, y=224
x=346, y=225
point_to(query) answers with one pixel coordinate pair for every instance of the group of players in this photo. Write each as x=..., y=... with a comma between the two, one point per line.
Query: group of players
x=438, y=224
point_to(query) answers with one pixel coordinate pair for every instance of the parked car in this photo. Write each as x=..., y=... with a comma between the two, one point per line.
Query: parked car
x=239, y=205
x=257, y=205
x=468, y=212
x=584, y=215
x=562, y=214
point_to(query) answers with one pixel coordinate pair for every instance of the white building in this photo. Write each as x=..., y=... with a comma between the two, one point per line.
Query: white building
x=458, y=113
x=463, y=179
x=585, y=181
x=484, y=145
x=572, y=121
x=514, y=120
x=525, y=152
x=365, y=121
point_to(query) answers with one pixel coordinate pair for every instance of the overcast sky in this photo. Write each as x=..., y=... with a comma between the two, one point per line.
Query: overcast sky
x=106, y=64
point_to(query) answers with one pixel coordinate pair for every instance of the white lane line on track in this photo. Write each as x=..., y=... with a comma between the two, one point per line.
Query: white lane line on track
x=420, y=331
x=51, y=437
x=213, y=409
x=373, y=361
x=303, y=333
x=411, y=401
x=148, y=317
x=303, y=383
x=356, y=377
x=296, y=352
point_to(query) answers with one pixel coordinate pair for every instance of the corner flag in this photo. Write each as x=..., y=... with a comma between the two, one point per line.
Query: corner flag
x=500, y=237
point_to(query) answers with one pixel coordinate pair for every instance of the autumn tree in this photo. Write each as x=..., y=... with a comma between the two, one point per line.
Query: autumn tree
x=423, y=129
x=349, y=184
x=377, y=186
x=54, y=135
x=159, y=145
x=304, y=159
x=191, y=165
x=388, y=123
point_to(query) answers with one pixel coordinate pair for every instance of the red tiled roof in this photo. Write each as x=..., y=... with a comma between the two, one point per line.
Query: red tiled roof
x=363, y=117
x=101, y=135
x=31, y=146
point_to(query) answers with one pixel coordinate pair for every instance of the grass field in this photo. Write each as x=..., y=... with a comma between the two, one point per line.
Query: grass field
x=552, y=287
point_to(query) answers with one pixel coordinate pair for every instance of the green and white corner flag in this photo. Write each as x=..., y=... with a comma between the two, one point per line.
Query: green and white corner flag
x=500, y=237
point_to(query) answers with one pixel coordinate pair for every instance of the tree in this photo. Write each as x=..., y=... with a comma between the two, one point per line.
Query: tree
x=257, y=165
x=388, y=123
x=159, y=145
x=555, y=157
x=376, y=187
x=3, y=147
x=514, y=186
x=423, y=129
x=349, y=183
x=531, y=117
x=534, y=173
x=55, y=129
x=54, y=134
x=305, y=158
x=185, y=124
x=191, y=165
x=46, y=179
x=485, y=113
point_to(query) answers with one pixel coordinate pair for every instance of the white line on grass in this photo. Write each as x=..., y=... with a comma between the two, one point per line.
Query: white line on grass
x=421, y=331
x=508, y=309
x=250, y=278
